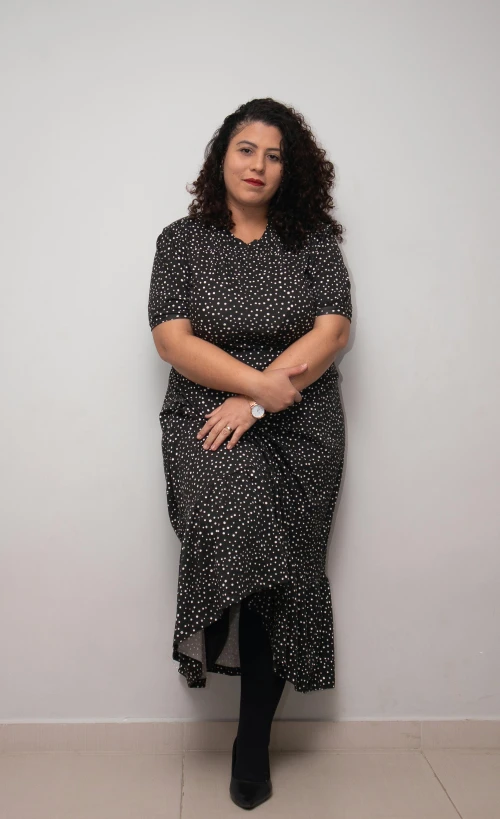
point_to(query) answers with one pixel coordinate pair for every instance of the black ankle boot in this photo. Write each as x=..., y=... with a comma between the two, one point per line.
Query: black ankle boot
x=245, y=793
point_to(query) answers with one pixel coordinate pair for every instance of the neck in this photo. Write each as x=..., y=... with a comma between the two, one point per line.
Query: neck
x=248, y=218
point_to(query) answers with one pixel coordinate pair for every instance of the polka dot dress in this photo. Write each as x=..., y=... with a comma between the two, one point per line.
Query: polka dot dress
x=254, y=521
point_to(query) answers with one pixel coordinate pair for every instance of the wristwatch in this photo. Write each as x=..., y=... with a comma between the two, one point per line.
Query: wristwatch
x=257, y=410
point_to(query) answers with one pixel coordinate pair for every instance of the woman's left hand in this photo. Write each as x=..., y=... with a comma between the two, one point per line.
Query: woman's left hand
x=234, y=412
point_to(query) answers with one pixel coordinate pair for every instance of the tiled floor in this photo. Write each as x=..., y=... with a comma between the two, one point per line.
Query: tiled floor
x=194, y=785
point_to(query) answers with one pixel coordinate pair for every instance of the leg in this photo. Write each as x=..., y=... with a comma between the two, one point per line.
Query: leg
x=215, y=638
x=261, y=691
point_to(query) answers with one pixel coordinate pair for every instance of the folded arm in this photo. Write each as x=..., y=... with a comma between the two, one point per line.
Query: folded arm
x=209, y=365
x=201, y=361
x=318, y=347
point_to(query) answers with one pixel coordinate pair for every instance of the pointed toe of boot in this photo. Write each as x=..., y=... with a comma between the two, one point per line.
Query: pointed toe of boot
x=246, y=793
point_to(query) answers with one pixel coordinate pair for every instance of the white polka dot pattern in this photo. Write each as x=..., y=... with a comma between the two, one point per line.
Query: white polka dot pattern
x=254, y=520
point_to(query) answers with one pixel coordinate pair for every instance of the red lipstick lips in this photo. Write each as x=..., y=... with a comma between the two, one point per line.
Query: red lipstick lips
x=255, y=182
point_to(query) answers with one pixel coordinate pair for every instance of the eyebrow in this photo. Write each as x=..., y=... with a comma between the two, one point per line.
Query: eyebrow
x=256, y=146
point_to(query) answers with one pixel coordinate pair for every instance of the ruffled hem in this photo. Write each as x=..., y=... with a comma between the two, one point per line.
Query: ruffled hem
x=299, y=622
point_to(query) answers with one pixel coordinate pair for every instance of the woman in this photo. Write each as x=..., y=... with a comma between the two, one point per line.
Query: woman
x=250, y=303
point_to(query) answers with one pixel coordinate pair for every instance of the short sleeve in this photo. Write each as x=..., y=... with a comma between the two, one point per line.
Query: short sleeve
x=328, y=274
x=169, y=291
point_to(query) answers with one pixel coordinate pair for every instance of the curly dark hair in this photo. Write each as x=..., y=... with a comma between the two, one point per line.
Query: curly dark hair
x=301, y=204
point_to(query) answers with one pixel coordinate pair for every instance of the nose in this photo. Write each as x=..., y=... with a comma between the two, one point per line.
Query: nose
x=258, y=163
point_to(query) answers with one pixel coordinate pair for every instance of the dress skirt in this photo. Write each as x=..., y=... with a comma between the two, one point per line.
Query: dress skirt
x=253, y=521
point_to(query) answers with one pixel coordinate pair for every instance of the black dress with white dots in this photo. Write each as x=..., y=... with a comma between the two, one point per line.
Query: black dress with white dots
x=253, y=521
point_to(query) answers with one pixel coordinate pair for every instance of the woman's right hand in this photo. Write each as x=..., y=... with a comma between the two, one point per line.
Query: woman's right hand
x=276, y=392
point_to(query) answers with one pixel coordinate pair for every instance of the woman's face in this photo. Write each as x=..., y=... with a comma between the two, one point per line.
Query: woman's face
x=253, y=153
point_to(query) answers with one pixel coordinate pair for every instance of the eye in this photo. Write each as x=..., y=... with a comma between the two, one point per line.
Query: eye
x=274, y=156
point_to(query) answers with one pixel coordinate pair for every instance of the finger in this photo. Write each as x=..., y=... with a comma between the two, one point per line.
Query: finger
x=235, y=437
x=207, y=443
x=208, y=414
x=220, y=438
x=207, y=426
x=297, y=368
x=204, y=430
x=215, y=433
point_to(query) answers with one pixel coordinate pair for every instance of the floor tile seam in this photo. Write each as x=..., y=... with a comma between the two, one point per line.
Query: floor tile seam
x=492, y=751
x=181, y=752
x=184, y=737
x=442, y=786
x=181, y=801
x=178, y=752
x=79, y=754
x=336, y=751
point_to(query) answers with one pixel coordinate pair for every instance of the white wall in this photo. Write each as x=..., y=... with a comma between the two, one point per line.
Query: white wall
x=107, y=110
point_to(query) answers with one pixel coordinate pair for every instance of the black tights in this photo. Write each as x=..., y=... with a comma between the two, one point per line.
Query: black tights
x=261, y=689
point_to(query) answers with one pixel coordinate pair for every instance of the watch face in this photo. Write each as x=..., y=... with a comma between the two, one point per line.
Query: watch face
x=258, y=411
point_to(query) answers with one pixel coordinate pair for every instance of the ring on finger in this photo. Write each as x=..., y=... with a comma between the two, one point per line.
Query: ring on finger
x=224, y=429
